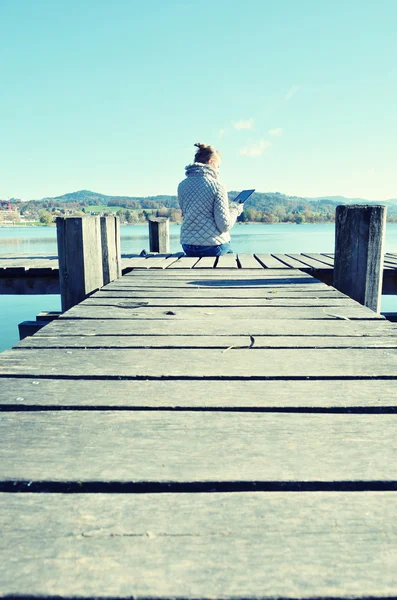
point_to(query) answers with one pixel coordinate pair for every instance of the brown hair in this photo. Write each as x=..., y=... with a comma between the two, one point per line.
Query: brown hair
x=205, y=153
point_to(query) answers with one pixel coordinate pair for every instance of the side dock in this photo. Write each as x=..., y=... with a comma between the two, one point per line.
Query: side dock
x=193, y=432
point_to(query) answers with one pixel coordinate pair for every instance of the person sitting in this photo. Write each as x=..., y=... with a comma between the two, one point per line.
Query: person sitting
x=207, y=217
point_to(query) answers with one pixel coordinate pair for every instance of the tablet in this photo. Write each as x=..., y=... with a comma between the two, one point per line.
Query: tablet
x=243, y=196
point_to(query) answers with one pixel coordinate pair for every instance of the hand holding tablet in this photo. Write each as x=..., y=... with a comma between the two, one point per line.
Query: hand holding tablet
x=243, y=196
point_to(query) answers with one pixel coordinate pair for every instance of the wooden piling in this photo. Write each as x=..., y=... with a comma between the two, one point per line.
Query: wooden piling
x=80, y=258
x=110, y=240
x=359, y=240
x=159, y=235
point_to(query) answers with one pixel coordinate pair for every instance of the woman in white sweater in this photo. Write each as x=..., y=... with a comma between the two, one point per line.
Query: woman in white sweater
x=207, y=217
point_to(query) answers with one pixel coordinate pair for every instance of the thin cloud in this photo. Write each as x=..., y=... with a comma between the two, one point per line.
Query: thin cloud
x=255, y=149
x=244, y=124
x=221, y=132
x=291, y=92
x=276, y=132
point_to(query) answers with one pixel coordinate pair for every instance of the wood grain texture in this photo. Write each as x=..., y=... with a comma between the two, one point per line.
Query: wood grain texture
x=193, y=363
x=213, y=313
x=169, y=446
x=248, y=261
x=269, y=261
x=201, y=341
x=221, y=326
x=252, y=545
x=227, y=261
x=184, y=262
x=310, y=262
x=213, y=292
x=206, y=262
x=226, y=395
x=274, y=301
x=359, y=241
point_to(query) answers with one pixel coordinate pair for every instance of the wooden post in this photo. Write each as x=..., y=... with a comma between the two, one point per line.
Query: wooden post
x=159, y=235
x=80, y=258
x=359, y=240
x=110, y=239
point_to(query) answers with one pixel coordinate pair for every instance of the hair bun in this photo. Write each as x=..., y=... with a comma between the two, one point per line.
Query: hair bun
x=200, y=145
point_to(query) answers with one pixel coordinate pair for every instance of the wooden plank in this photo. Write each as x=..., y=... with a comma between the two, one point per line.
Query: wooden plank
x=86, y=311
x=252, y=545
x=273, y=301
x=39, y=284
x=132, y=262
x=227, y=261
x=270, y=262
x=185, y=262
x=320, y=258
x=371, y=394
x=221, y=326
x=201, y=292
x=248, y=261
x=301, y=284
x=288, y=261
x=310, y=262
x=204, y=341
x=211, y=273
x=206, y=262
x=171, y=446
x=192, y=363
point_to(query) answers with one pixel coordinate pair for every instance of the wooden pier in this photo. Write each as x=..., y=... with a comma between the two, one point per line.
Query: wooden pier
x=24, y=274
x=191, y=432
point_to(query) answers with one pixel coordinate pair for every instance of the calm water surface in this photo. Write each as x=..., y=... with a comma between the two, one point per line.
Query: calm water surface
x=36, y=241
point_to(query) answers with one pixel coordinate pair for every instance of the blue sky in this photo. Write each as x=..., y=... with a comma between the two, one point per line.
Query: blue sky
x=300, y=96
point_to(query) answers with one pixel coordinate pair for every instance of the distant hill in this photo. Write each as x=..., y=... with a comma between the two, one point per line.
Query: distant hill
x=96, y=198
x=261, y=207
x=91, y=198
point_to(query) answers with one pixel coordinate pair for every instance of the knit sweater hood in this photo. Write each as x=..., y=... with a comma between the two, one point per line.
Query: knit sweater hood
x=207, y=218
x=200, y=170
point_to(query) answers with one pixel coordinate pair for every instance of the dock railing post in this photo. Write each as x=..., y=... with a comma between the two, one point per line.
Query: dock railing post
x=359, y=240
x=110, y=241
x=159, y=235
x=88, y=254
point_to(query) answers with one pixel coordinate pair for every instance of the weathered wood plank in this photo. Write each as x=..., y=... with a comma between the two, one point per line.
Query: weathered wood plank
x=227, y=261
x=226, y=272
x=298, y=284
x=270, y=262
x=221, y=326
x=150, y=261
x=310, y=262
x=210, y=292
x=248, y=261
x=205, y=341
x=206, y=262
x=85, y=311
x=185, y=262
x=252, y=545
x=274, y=300
x=190, y=363
x=169, y=446
x=320, y=258
x=215, y=394
x=289, y=262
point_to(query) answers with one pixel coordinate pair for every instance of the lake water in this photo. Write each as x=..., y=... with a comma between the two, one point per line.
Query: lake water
x=246, y=238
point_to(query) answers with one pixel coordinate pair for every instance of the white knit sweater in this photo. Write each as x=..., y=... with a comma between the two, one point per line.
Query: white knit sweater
x=203, y=199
